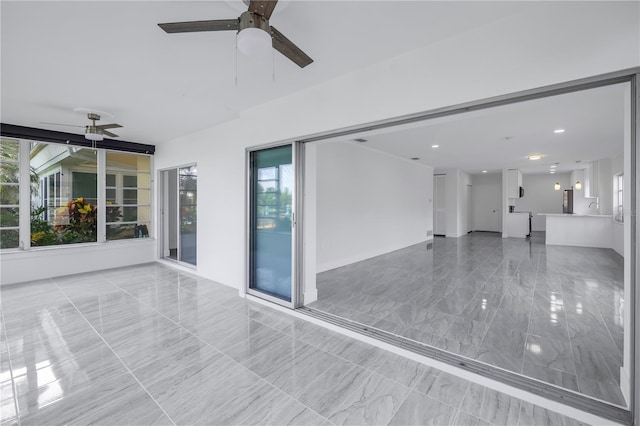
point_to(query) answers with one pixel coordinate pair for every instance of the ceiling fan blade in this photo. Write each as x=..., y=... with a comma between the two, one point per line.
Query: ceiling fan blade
x=288, y=49
x=263, y=7
x=108, y=126
x=61, y=124
x=108, y=133
x=197, y=26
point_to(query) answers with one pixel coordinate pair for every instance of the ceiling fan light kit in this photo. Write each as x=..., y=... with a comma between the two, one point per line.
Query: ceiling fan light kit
x=255, y=35
x=92, y=133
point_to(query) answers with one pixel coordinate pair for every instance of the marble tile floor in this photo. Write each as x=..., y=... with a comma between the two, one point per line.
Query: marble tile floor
x=150, y=345
x=553, y=313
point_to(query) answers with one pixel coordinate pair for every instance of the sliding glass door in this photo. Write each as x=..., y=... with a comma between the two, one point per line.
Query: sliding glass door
x=179, y=212
x=272, y=225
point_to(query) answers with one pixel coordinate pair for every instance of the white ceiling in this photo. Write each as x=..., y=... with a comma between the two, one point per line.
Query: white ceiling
x=503, y=137
x=111, y=56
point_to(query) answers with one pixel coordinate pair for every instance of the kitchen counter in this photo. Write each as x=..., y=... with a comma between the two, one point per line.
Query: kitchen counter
x=583, y=230
x=576, y=215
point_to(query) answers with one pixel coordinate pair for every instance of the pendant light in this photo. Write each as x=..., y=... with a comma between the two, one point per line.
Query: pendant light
x=557, y=186
x=578, y=186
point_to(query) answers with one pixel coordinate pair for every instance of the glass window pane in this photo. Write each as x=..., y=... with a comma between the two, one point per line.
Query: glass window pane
x=65, y=210
x=270, y=233
x=9, y=217
x=111, y=196
x=9, y=238
x=129, y=195
x=9, y=194
x=120, y=232
x=129, y=181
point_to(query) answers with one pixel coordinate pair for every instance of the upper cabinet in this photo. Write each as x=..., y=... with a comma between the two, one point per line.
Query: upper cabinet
x=591, y=180
x=588, y=178
x=514, y=182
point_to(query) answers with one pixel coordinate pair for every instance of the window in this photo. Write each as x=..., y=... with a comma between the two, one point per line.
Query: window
x=9, y=193
x=65, y=194
x=618, y=197
x=128, y=190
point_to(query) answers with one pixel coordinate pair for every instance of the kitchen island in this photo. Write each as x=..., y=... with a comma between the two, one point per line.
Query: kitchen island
x=583, y=230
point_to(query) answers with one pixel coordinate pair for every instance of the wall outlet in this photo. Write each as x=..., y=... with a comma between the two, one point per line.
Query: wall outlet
x=429, y=232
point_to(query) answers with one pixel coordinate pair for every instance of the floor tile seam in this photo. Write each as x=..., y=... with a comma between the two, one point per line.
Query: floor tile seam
x=121, y=360
x=14, y=388
x=205, y=342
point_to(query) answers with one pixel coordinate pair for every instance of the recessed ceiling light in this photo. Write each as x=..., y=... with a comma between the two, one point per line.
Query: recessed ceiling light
x=484, y=171
x=534, y=157
x=415, y=158
x=558, y=131
x=553, y=166
x=552, y=172
x=435, y=146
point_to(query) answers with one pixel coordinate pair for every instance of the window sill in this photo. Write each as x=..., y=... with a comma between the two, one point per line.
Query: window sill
x=86, y=246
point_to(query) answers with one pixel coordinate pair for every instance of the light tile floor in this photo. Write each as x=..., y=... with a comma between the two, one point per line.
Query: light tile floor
x=553, y=313
x=153, y=345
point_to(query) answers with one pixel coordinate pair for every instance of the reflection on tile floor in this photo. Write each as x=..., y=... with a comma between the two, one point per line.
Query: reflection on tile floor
x=152, y=345
x=553, y=313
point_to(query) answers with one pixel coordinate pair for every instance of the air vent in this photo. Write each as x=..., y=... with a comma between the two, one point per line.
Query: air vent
x=360, y=140
x=429, y=246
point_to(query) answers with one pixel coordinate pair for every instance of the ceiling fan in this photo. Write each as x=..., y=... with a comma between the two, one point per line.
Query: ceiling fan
x=254, y=31
x=93, y=131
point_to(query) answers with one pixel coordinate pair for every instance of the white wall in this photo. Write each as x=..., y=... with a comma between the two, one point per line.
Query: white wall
x=486, y=194
x=541, y=197
x=368, y=203
x=47, y=262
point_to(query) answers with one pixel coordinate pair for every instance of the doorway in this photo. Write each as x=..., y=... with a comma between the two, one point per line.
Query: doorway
x=178, y=213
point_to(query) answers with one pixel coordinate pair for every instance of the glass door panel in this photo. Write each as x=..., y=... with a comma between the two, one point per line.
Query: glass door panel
x=188, y=209
x=270, y=221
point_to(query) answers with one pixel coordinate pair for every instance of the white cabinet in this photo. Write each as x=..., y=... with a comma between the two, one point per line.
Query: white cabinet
x=518, y=225
x=591, y=180
x=588, y=178
x=514, y=182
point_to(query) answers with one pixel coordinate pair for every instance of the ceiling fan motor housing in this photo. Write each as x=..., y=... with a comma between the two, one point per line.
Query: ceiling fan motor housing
x=254, y=20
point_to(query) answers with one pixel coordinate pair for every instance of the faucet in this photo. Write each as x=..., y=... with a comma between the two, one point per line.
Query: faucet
x=596, y=201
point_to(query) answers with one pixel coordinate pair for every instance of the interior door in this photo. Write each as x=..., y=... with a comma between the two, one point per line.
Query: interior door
x=272, y=224
x=440, y=205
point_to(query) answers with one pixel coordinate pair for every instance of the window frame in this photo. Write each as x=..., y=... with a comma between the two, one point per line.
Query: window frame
x=618, y=197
